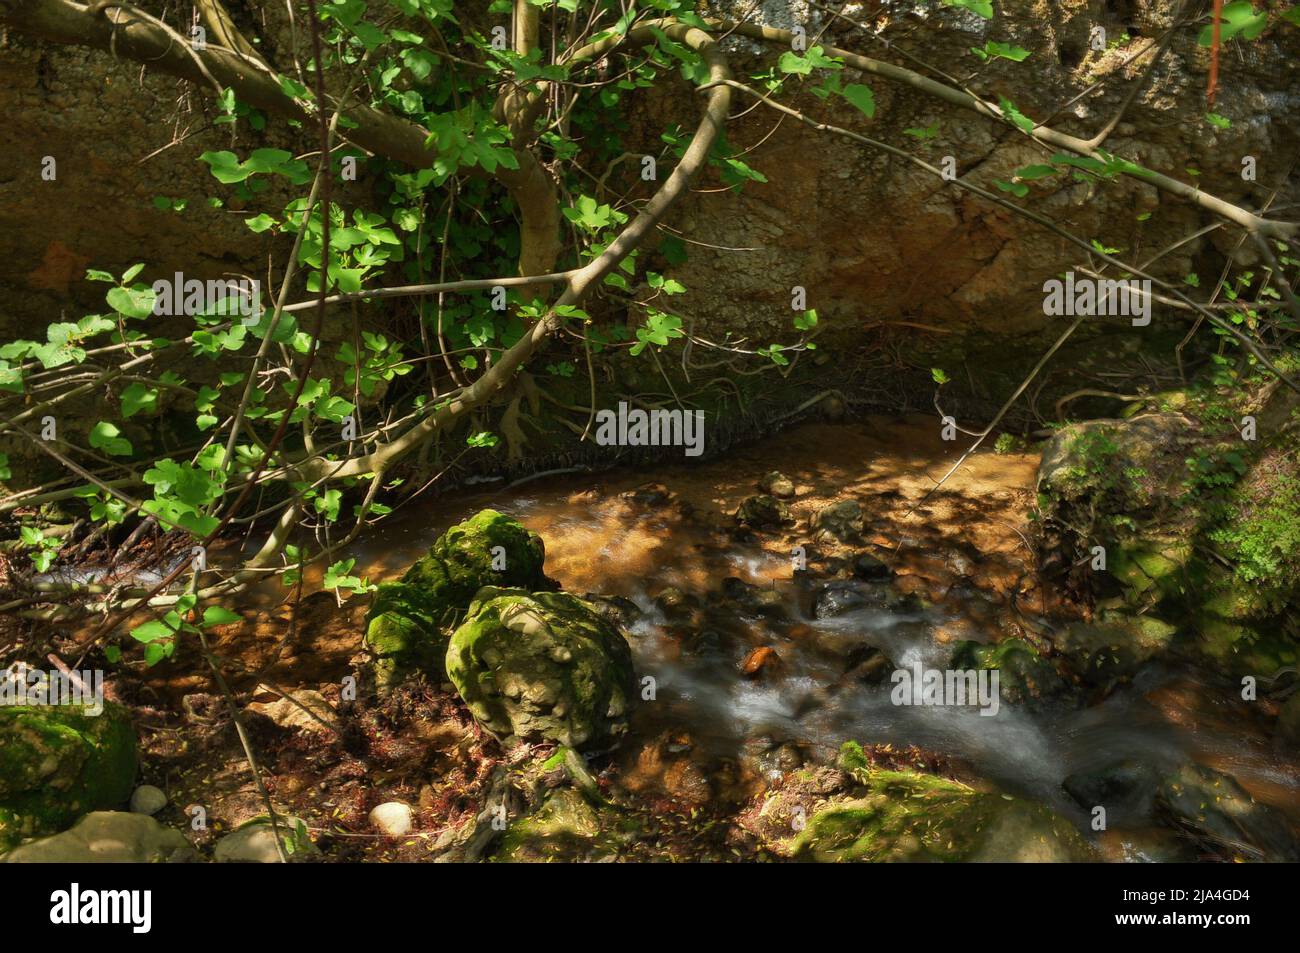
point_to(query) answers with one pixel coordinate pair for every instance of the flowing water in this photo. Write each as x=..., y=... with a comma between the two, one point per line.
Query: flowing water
x=963, y=550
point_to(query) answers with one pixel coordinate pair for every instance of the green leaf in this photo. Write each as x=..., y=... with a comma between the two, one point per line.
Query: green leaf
x=217, y=615
x=134, y=303
x=105, y=436
x=137, y=397
x=982, y=7
x=1238, y=19
x=861, y=97
x=1009, y=111
x=1007, y=51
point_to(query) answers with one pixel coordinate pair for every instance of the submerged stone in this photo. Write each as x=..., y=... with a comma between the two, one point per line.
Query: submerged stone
x=542, y=666
x=1224, y=818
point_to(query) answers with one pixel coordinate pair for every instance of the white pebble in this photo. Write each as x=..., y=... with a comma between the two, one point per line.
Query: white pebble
x=393, y=818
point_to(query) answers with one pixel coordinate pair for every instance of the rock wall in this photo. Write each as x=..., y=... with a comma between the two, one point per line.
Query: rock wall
x=876, y=239
x=873, y=238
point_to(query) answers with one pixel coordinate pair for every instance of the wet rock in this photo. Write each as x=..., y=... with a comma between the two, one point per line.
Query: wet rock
x=755, y=598
x=616, y=610
x=58, y=762
x=542, y=666
x=763, y=511
x=760, y=661
x=1127, y=786
x=254, y=843
x=108, y=837
x=305, y=709
x=1223, y=818
x=147, y=799
x=674, y=603
x=650, y=496
x=868, y=665
x=777, y=484
x=850, y=595
x=685, y=780
x=843, y=520
x=393, y=818
x=1024, y=675
x=406, y=627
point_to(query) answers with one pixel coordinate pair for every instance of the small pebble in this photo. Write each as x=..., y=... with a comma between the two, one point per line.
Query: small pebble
x=147, y=799
x=392, y=818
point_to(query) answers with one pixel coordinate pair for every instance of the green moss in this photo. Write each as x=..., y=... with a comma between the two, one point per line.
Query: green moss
x=564, y=828
x=1151, y=571
x=1025, y=674
x=909, y=816
x=1241, y=649
x=542, y=666
x=409, y=621
x=58, y=763
x=1262, y=538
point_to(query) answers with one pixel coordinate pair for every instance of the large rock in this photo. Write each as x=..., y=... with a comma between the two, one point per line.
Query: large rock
x=1113, y=648
x=542, y=666
x=909, y=816
x=565, y=828
x=1223, y=818
x=408, y=622
x=1024, y=675
x=108, y=837
x=60, y=762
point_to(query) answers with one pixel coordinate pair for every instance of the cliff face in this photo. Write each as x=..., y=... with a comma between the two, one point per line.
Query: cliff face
x=874, y=238
x=871, y=237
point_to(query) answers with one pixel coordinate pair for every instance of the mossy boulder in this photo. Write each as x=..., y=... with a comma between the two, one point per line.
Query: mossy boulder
x=542, y=666
x=1024, y=675
x=564, y=828
x=908, y=816
x=762, y=510
x=60, y=762
x=408, y=621
x=1112, y=648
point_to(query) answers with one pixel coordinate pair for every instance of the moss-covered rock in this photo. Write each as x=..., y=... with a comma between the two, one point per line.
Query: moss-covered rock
x=543, y=666
x=564, y=828
x=1112, y=648
x=909, y=816
x=60, y=762
x=408, y=621
x=1025, y=675
x=762, y=510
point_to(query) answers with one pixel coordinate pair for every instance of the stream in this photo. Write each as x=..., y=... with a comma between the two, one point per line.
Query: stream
x=962, y=551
